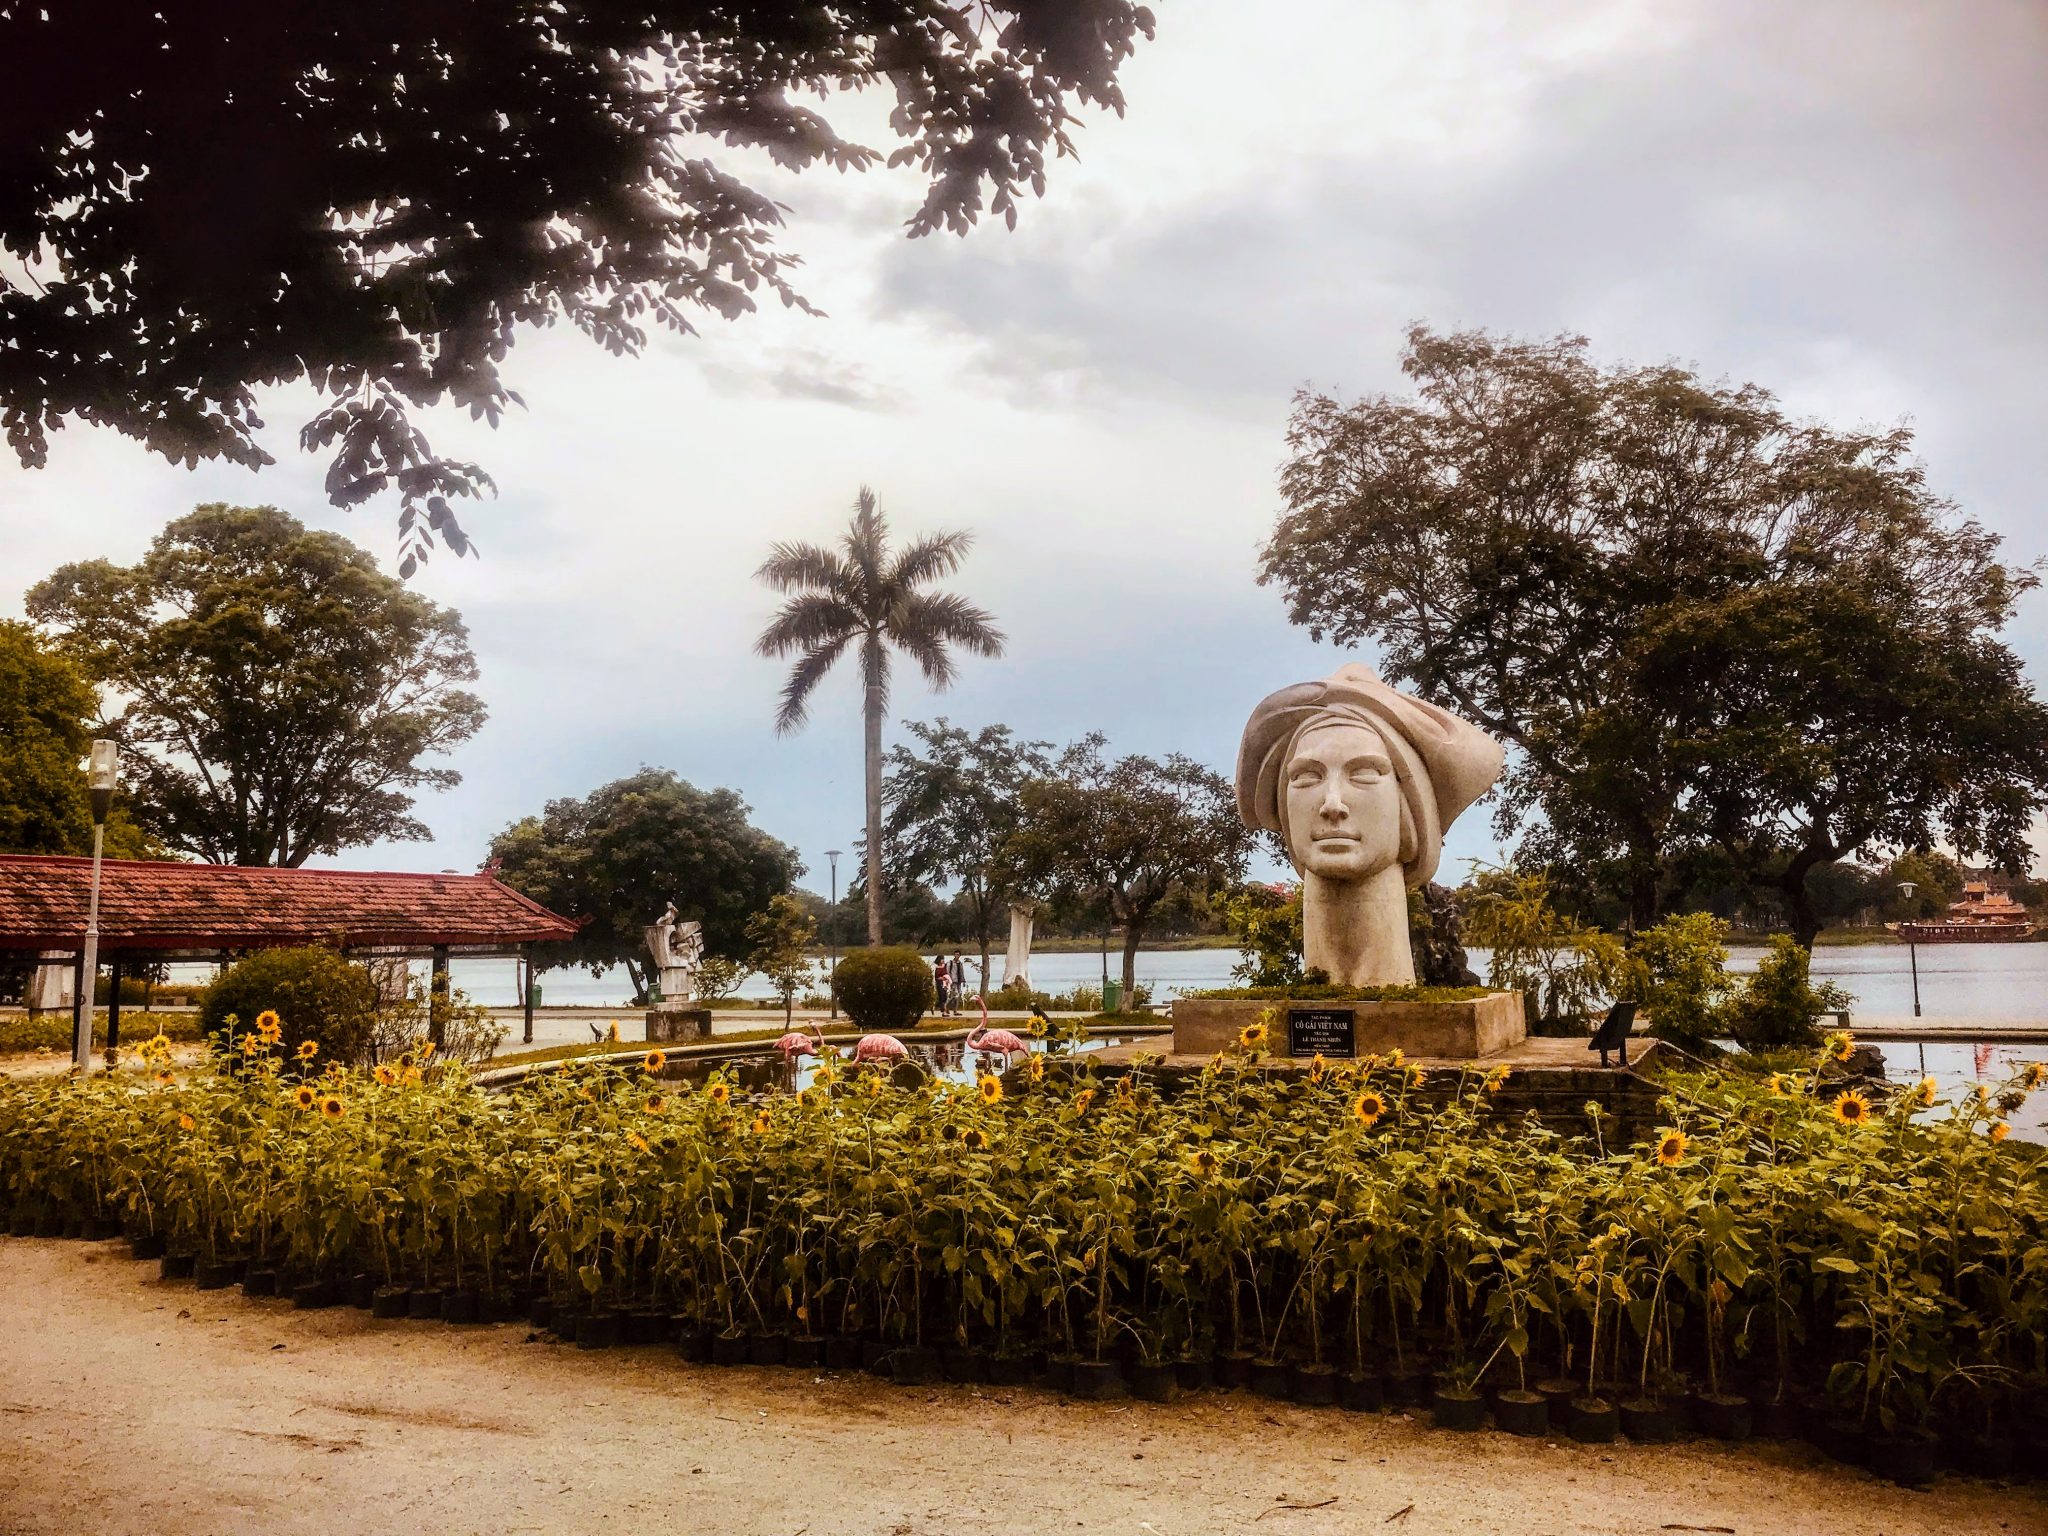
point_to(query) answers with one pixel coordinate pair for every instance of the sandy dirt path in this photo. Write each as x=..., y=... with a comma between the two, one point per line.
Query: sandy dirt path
x=131, y=1405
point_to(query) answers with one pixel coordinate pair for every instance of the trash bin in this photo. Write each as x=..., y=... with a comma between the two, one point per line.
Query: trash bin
x=533, y=993
x=1112, y=997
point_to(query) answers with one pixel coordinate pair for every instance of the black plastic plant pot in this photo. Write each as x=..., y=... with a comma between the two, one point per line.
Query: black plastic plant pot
x=148, y=1246
x=1272, y=1378
x=1592, y=1420
x=729, y=1349
x=1984, y=1455
x=804, y=1352
x=1650, y=1423
x=916, y=1365
x=646, y=1325
x=1521, y=1412
x=693, y=1341
x=215, y=1274
x=177, y=1266
x=842, y=1353
x=1012, y=1370
x=767, y=1349
x=1842, y=1439
x=99, y=1228
x=361, y=1289
x=425, y=1305
x=499, y=1307
x=1234, y=1370
x=73, y=1228
x=540, y=1312
x=21, y=1224
x=598, y=1330
x=1907, y=1459
x=1097, y=1380
x=1057, y=1374
x=1196, y=1374
x=1458, y=1408
x=1362, y=1392
x=1313, y=1386
x=1722, y=1415
x=390, y=1301
x=459, y=1307
x=964, y=1364
x=50, y=1224
x=260, y=1282
x=874, y=1356
x=1776, y=1418
x=1559, y=1394
x=1154, y=1381
x=1408, y=1387
x=310, y=1295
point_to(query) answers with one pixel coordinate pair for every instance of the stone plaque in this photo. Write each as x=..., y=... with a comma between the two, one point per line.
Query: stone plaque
x=1322, y=1032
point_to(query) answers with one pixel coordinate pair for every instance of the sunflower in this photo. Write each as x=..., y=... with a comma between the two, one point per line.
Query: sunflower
x=1924, y=1094
x=1034, y=1069
x=165, y=1078
x=186, y=1122
x=949, y=1132
x=635, y=1140
x=1671, y=1148
x=427, y=1049
x=1852, y=1108
x=305, y=1098
x=1496, y=1079
x=653, y=1062
x=972, y=1139
x=1318, y=1068
x=1778, y=1085
x=990, y=1087
x=1416, y=1076
x=385, y=1076
x=717, y=1092
x=656, y=1104
x=2000, y=1130
x=1204, y=1162
x=761, y=1124
x=812, y=1097
x=251, y=1045
x=1395, y=1058
x=873, y=1083
x=308, y=1049
x=405, y=1061
x=269, y=1026
x=332, y=1107
x=2033, y=1075
x=410, y=1076
x=1083, y=1099
x=1845, y=1046
x=611, y=1035
x=1368, y=1107
x=1252, y=1037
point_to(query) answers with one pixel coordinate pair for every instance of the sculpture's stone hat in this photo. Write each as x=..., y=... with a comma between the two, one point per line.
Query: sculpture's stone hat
x=1441, y=762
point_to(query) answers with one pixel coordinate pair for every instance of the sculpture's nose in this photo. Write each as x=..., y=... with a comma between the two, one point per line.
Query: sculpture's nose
x=1332, y=807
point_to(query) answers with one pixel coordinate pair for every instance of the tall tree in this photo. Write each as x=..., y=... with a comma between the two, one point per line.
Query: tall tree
x=616, y=857
x=45, y=701
x=1132, y=832
x=866, y=597
x=781, y=936
x=276, y=692
x=1578, y=558
x=952, y=806
x=376, y=202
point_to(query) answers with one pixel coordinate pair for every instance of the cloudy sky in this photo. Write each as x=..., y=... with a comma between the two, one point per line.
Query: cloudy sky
x=1841, y=201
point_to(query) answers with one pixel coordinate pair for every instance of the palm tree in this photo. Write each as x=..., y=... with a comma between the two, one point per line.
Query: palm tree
x=866, y=595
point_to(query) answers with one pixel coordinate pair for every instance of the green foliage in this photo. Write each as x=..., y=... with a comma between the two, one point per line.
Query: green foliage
x=278, y=692
x=52, y=1031
x=45, y=701
x=1565, y=970
x=410, y=189
x=718, y=978
x=459, y=1028
x=1936, y=878
x=1313, y=991
x=617, y=856
x=1361, y=1217
x=884, y=990
x=1267, y=927
x=868, y=597
x=781, y=938
x=1704, y=625
x=1684, y=981
x=316, y=993
x=1780, y=1006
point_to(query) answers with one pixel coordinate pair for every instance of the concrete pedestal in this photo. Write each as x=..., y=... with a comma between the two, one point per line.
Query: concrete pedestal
x=1462, y=1031
x=678, y=1026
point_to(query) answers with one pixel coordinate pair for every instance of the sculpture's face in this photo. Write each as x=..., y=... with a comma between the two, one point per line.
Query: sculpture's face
x=1343, y=803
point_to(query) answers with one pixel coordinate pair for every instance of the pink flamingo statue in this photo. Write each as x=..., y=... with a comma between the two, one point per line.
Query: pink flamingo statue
x=810, y=1041
x=880, y=1048
x=798, y=1042
x=996, y=1042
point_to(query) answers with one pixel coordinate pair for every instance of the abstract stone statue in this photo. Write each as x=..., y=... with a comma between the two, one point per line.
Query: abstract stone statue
x=1360, y=781
x=677, y=948
x=1017, y=961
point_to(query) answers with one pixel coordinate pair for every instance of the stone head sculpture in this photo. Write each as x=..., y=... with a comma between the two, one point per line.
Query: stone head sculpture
x=1360, y=781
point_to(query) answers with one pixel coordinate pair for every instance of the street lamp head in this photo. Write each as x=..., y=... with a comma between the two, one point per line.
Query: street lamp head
x=101, y=776
x=1907, y=888
x=833, y=854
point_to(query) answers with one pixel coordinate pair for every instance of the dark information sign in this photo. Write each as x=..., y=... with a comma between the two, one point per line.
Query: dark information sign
x=1322, y=1032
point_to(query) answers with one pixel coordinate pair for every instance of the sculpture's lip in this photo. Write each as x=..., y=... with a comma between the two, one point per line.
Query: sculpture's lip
x=1336, y=837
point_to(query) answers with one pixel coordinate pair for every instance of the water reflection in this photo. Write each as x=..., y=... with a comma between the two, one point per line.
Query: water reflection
x=948, y=1061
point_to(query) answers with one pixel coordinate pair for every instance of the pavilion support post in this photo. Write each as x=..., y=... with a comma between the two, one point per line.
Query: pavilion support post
x=526, y=990
x=437, y=999
x=81, y=1012
x=113, y=1009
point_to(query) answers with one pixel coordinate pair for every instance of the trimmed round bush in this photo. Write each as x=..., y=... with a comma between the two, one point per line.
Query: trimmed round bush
x=317, y=994
x=884, y=989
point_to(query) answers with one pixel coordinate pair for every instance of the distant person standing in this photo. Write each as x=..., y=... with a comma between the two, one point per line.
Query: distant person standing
x=958, y=971
x=942, y=983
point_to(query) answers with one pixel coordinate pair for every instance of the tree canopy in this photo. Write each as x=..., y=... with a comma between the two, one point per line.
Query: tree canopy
x=274, y=692
x=620, y=854
x=376, y=201
x=45, y=702
x=1703, y=625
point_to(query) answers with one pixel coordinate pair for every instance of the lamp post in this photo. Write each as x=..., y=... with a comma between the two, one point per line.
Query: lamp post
x=1906, y=889
x=100, y=780
x=832, y=943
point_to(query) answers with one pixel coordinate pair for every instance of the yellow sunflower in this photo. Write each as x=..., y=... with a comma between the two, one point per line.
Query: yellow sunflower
x=305, y=1098
x=1924, y=1094
x=1368, y=1107
x=990, y=1087
x=251, y=1045
x=1496, y=1079
x=1317, y=1068
x=717, y=1092
x=761, y=1124
x=611, y=1035
x=1204, y=1162
x=656, y=1104
x=1852, y=1108
x=269, y=1026
x=2000, y=1130
x=427, y=1049
x=308, y=1049
x=1778, y=1085
x=1253, y=1037
x=1845, y=1046
x=410, y=1076
x=186, y=1122
x=165, y=1078
x=653, y=1062
x=972, y=1139
x=1671, y=1148
x=332, y=1107
x=1416, y=1077
x=636, y=1141
x=2033, y=1075
x=1083, y=1099
x=1034, y=1068
x=385, y=1076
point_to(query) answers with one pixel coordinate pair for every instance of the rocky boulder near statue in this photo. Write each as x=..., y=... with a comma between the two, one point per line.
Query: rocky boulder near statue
x=1360, y=781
